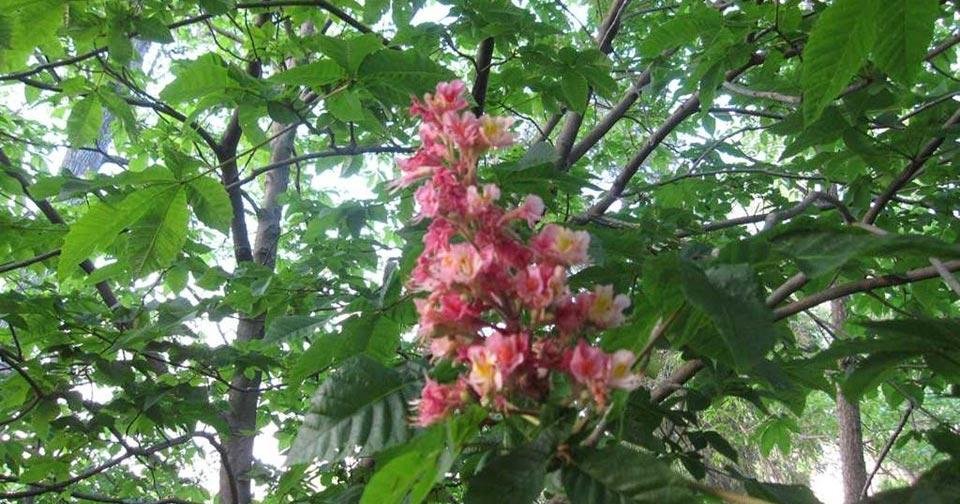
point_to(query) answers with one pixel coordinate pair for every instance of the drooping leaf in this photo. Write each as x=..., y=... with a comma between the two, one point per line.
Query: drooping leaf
x=201, y=77
x=395, y=75
x=101, y=224
x=727, y=294
x=410, y=473
x=373, y=335
x=515, y=477
x=312, y=75
x=619, y=475
x=210, y=202
x=349, y=53
x=346, y=106
x=837, y=47
x=83, y=125
x=156, y=239
x=358, y=411
x=904, y=31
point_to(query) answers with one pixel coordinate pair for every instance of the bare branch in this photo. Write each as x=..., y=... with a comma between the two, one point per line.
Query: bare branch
x=484, y=55
x=867, y=284
x=948, y=277
x=909, y=171
x=348, y=151
x=886, y=447
x=767, y=95
x=10, y=266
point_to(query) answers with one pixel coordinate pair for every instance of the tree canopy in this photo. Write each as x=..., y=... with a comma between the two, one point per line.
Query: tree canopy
x=219, y=250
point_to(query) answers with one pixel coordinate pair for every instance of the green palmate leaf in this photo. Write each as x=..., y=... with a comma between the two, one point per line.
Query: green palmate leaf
x=153, y=29
x=780, y=493
x=870, y=372
x=201, y=77
x=727, y=295
x=373, y=335
x=410, y=473
x=358, y=411
x=516, y=477
x=838, y=46
x=210, y=202
x=575, y=90
x=904, y=31
x=349, y=53
x=101, y=224
x=820, y=249
x=346, y=106
x=677, y=31
x=313, y=75
x=395, y=75
x=156, y=239
x=292, y=327
x=83, y=125
x=119, y=45
x=619, y=475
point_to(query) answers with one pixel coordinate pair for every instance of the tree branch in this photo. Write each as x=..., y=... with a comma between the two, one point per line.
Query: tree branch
x=886, y=447
x=909, y=171
x=323, y=4
x=10, y=266
x=767, y=95
x=479, y=92
x=609, y=27
x=93, y=471
x=106, y=293
x=867, y=284
x=348, y=151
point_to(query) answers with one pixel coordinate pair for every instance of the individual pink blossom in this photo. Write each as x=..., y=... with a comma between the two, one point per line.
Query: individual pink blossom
x=485, y=378
x=438, y=400
x=479, y=201
x=619, y=374
x=606, y=309
x=531, y=211
x=495, y=130
x=463, y=129
x=426, y=196
x=571, y=314
x=447, y=346
x=460, y=264
x=539, y=285
x=588, y=364
x=509, y=351
x=562, y=245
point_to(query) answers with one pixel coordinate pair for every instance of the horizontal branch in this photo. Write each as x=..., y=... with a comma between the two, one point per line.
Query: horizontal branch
x=743, y=111
x=767, y=95
x=348, y=151
x=323, y=4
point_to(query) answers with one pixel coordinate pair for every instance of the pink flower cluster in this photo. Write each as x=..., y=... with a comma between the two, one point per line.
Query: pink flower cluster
x=495, y=304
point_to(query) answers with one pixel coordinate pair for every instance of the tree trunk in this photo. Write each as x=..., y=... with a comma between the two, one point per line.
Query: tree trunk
x=244, y=394
x=850, y=437
x=80, y=161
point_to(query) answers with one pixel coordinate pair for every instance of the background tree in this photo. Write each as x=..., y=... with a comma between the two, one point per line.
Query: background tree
x=237, y=251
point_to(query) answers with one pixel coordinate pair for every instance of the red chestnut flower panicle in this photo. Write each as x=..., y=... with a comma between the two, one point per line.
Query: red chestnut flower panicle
x=496, y=306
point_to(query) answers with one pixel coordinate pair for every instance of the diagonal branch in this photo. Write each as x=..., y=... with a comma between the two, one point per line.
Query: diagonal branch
x=106, y=293
x=39, y=489
x=479, y=92
x=910, y=171
x=886, y=447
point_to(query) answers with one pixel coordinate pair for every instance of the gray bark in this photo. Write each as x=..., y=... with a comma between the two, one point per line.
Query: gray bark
x=79, y=161
x=850, y=435
x=244, y=394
